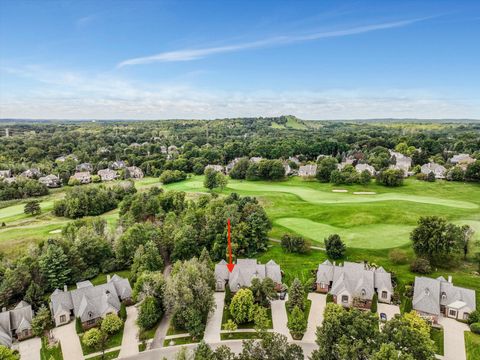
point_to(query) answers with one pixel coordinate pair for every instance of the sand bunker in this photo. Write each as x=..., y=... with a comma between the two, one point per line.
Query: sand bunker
x=364, y=193
x=57, y=231
x=340, y=190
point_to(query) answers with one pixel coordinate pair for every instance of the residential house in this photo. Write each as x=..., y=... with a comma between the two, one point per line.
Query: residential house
x=107, y=174
x=83, y=167
x=294, y=159
x=63, y=158
x=438, y=170
x=172, y=149
x=243, y=273
x=309, y=170
x=50, y=181
x=16, y=323
x=5, y=173
x=354, y=284
x=84, y=177
x=362, y=167
x=135, y=145
x=402, y=162
x=231, y=164
x=217, y=168
x=163, y=149
x=9, y=180
x=462, y=160
x=350, y=160
x=118, y=165
x=256, y=159
x=288, y=169
x=90, y=303
x=31, y=173
x=435, y=297
x=134, y=172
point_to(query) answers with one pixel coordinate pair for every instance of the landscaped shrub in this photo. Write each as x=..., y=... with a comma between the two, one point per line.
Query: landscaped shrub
x=474, y=317
x=111, y=324
x=78, y=325
x=407, y=307
x=329, y=298
x=295, y=244
x=420, y=266
x=297, y=323
x=228, y=296
x=475, y=327
x=398, y=256
x=241, y=306
x=171, y=176
x=374, y=307
x=123, y=312
x=149, y=314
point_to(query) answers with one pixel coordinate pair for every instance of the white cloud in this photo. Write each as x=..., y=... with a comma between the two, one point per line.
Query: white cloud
x=70, y=95
x=193, y=54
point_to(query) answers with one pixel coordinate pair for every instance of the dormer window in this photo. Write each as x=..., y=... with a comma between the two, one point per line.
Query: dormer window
x=364, y=292
x=90, y=314
x=427, y=291
x=444, y=295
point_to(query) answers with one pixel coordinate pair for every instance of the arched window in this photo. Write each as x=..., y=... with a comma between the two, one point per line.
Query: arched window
x=444, y=295
x=364, y=292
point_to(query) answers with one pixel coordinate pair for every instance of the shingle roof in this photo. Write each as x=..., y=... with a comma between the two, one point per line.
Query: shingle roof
x=5, y=330
x=426, y=297
x=245, y=270
x=88, y=301
x=21, y=314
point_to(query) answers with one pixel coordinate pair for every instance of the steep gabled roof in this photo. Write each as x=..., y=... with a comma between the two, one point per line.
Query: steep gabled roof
x=426, y=295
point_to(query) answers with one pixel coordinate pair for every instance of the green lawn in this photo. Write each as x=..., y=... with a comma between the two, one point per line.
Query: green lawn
x=437, y=337
x=180, y=341
x=249, y=325
x=107, y=356
x=239, y=335
x=113, y=341
x=472, y=345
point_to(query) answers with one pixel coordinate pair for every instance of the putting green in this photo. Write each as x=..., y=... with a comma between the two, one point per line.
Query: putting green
x=324, y=197
x=374, y=236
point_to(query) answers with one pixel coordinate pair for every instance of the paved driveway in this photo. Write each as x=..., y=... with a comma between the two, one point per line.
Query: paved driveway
x=214, y=323
x=453, y=338
x=69, y=340
x=315, y=318
x=130, y=331
x=389, y=310
x=280, y=319
x=30, y=349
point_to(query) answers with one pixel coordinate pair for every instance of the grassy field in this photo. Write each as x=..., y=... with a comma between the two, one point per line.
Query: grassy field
x=472, y=345
x=369, y=224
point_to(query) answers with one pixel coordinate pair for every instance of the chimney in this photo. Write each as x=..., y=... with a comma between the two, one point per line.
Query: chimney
x=450, y=279
x=4, y=309
x=334, y=262
x=108, y=278
x=65, y=288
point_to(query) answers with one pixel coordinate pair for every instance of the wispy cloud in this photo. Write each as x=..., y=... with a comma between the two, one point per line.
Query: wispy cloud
x=194, y=54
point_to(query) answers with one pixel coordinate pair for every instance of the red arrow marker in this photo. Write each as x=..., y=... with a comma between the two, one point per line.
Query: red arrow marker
x=230, y=265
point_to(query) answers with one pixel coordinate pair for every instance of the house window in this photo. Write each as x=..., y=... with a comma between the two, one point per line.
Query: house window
x=384, y=294
x=63, y=318
x=452, y=313
x=26, y=332
x=364, y=292
x=345, y=298
x=90, y=322
x=465, y=316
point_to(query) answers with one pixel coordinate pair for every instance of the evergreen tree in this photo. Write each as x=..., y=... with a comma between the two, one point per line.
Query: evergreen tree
x=54, y=266
x=296, y=295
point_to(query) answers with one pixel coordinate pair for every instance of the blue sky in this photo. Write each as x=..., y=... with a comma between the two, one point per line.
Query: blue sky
x=212, y=59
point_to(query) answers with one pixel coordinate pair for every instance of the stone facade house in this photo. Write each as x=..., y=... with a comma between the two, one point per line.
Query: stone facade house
x=84, y=177
x=402, y=162
x=117, y=165
x=435, y=297
x=31, y=174
x=50, y=181
x=90, y=303
x=217, y=168
x=354, y=284
x=134, y=172
x=83, y=167
x=362, y=167
x=438, y=170
x=462, y=159
x=231, y=164
x=16, y=323
x=243, y=273
x=309, y=170
x=107, y=174
x=5, y=173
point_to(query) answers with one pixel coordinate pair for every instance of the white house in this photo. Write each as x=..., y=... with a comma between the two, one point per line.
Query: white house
x=438, y=170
